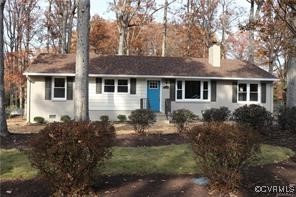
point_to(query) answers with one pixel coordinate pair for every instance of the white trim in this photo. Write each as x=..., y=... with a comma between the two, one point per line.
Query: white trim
x=52, y=89
x=116, y=86
x=201, y=91
x=152, y=76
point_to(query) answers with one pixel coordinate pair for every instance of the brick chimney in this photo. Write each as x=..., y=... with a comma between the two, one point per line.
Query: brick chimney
x=214, y=55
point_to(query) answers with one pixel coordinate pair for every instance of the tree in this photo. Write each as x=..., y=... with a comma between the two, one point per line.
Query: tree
x=164, y=33
x=81, y=111
x=3, y=123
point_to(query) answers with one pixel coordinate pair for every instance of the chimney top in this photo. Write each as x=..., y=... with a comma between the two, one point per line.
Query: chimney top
x=214, y=55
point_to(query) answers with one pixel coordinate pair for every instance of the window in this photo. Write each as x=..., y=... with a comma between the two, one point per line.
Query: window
x=242, y=92
x=179, y=90
x=248, y=92
x=59, y=88
x=122, y=85
x=192, y=90
x=153, y=84
x=109, y=85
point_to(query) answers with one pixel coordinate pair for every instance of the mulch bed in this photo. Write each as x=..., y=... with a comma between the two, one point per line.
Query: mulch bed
x=281, y=174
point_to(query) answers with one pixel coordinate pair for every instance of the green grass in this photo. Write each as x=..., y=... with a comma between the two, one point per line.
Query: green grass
x=172, y=159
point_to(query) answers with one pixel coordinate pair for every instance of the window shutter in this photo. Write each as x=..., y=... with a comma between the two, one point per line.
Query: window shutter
x=234, y=91
x=263, y=92
x=47, y=88
x=213, y=90
x=70, y=81
x=133, y=86
x=98, y=85
x=172, y=89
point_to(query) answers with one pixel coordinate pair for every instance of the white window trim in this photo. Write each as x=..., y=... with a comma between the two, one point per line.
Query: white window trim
x=201, y=91
x=116, y=86
x=52, y=89
x=248, y=101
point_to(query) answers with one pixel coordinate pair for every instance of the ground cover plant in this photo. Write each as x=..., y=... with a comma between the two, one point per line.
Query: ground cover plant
x=66, y=154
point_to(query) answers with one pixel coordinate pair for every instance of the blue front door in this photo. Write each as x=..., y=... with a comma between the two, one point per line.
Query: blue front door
x=153, y=94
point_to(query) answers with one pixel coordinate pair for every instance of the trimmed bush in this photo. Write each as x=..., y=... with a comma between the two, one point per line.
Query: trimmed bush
x=254, y=116
x=121, y=118
x=181, y=118
x=222, y=150
x=142, y=119
x=287, y=119
x=65, y=118
x=39, y=120
x=216, y=115
x=66, y=154
x=104, y=118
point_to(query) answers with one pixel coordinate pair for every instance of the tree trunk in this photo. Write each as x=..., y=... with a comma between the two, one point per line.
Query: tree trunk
x=3, y=123
x=251, y=35
x=64, y=29
x=122, y=37
x=82, y=62
x=164, y=33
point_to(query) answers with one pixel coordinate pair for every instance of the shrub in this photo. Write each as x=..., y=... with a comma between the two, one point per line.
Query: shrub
x=181, y=118
x=222, y=150
x=121, y=118
x=287, y=119
x=66, y=154
x=65, y=118
x=254, y=116
x=39, y=119
x=104, y=118
x=142, y=119
x=216, y=115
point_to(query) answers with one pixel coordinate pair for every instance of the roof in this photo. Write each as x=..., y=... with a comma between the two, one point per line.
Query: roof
x=147, y=66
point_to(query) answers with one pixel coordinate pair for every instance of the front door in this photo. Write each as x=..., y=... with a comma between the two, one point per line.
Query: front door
x=153, y=94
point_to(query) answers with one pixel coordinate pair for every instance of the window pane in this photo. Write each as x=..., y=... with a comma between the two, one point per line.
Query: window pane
x=253, y=96
x=153, y=84
x=179, y=94
x=59, y=93
x=109, y=82
x=192, y=89
x=242, y=87
x=122, y=82
x=205, y=85
x=254, y=87
x=242, y=96
x=59, y=82
x=109, y=88
x=179, y=85
x=122, y=89
x=205, y=95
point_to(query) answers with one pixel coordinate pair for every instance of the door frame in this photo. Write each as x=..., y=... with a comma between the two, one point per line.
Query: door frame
x=160, y=90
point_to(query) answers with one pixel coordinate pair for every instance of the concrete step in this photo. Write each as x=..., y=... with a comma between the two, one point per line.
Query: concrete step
x=161, y=117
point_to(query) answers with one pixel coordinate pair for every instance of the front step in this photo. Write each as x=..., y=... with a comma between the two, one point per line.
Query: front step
x=161, y=118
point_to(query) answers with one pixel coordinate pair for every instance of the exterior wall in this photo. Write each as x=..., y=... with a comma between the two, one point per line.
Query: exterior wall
x=223, y=98
x=38, y=106
x=113, y=104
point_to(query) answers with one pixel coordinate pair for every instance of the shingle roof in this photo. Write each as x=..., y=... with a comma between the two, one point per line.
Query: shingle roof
x=148, y=65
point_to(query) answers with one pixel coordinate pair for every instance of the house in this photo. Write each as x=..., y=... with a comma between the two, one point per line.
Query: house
x=120, y=84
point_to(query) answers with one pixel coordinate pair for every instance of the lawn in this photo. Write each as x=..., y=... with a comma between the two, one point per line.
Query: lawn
x=171, y=159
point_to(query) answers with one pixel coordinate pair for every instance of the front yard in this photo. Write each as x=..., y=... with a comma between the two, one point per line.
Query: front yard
x=169, y=159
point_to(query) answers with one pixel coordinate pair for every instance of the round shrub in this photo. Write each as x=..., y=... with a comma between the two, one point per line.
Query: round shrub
x=142, y=119
x=66, y=154
x=287, y=119
x=216, y=115
x=254, y=116
x=221, y=150
x=121, y=118
x=65, y=118
x=104, y=118
x=39, y=120
x=181, y=118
